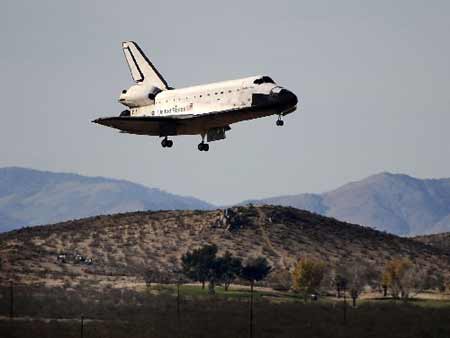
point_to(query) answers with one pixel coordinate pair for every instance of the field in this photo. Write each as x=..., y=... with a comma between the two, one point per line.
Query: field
x=125, y=251
x=158, y=312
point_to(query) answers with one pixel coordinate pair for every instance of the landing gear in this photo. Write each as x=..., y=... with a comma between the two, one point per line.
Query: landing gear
x=279, y=122
x=166, y=143
x=203, y=146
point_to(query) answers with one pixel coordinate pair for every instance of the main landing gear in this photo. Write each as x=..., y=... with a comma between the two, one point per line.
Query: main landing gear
x=279, y=122
x=202, y=146
x=166, y=143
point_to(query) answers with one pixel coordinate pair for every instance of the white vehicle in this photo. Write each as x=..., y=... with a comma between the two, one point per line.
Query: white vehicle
x=208, y=110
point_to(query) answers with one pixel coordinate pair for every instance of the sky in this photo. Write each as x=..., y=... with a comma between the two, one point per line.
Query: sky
x=372, y=78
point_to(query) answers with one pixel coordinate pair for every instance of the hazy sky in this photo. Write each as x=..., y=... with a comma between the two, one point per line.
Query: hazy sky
x=372, y=77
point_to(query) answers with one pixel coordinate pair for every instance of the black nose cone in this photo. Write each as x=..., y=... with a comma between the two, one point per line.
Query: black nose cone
x=288, y=98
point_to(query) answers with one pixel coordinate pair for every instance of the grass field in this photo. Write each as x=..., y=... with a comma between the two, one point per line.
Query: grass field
x=43, y=312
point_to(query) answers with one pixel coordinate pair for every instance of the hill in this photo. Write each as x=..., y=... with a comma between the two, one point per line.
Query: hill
x=395, y=203
x=441, y=241
x=125, y=246
x=29, y=197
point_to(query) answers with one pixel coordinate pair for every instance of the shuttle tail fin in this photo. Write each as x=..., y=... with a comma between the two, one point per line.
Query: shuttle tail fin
x=142, y=70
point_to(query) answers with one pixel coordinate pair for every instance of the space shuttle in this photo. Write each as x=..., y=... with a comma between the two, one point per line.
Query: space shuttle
x=156, y=109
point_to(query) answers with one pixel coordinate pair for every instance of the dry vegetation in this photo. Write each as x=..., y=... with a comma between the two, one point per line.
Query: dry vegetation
x=441, y=241
x=124, y=246
x=51, y=294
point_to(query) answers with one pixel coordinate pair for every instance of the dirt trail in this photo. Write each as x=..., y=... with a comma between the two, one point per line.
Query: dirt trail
x=260, y=222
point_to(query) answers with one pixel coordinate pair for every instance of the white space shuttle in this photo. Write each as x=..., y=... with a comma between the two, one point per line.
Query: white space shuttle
x=156, y=109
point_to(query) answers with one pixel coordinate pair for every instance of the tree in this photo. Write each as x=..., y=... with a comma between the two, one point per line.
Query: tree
x=155, y=276
x=281, y=280
x=203, y=265
x=232, y=269
x=255, y=269
x=197, y=264
x=385, y=281
x=412, y=282
x=224, y=269
x=216, y=272
x=434, y=280
x=340, y=279
x=402, y=278
x=440, y=282
x=357, y=279
x=307, y=275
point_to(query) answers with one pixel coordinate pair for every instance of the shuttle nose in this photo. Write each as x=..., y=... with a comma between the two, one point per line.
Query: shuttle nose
x=287, y=97
x=278, y=96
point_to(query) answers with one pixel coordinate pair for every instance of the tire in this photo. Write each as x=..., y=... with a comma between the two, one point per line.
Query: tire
x=200, y=146
x=169, y=143
x=206, y=147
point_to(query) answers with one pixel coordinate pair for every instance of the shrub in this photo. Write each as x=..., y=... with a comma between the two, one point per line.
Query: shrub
x=307, y=275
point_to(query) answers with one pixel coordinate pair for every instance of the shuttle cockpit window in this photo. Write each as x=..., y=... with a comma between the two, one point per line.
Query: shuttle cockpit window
x=264, y=79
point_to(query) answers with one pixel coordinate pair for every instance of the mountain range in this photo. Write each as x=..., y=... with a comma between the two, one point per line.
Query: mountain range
x=395, y=203
x=30, y=197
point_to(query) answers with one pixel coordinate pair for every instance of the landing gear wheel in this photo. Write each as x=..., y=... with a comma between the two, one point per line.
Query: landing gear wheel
x=280, y=122
x=167, y=143
x=203, y=146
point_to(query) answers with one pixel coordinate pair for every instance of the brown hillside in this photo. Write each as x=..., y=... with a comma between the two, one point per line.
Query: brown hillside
x=441, y=241
x=124, y=246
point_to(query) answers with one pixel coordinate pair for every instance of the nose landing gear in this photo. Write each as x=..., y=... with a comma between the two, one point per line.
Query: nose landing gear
x=279, y=122
x=166, y=143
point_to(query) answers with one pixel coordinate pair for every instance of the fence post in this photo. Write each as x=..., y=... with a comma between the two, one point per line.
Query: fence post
x=178, y=309
x=345, y=308
x=82, y=324
x=178, y=301
x=11, y=299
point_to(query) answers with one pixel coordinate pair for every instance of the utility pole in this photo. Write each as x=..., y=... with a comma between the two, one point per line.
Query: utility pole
x=178, y=308
x=178, y=280
x=251, y=311
x=11, y=299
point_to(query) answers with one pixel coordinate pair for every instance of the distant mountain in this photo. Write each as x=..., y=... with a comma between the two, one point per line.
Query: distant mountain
x=395, y=203
x=30, y=197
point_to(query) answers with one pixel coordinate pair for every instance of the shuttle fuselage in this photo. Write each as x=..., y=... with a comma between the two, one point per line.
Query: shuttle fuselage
x=208, y=110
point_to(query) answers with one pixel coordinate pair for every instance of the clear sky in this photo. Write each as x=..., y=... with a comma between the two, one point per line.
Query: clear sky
x=372, y=77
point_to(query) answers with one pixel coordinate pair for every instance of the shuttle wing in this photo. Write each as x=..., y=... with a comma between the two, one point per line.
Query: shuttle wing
x=142, y=125
x=170, y=125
